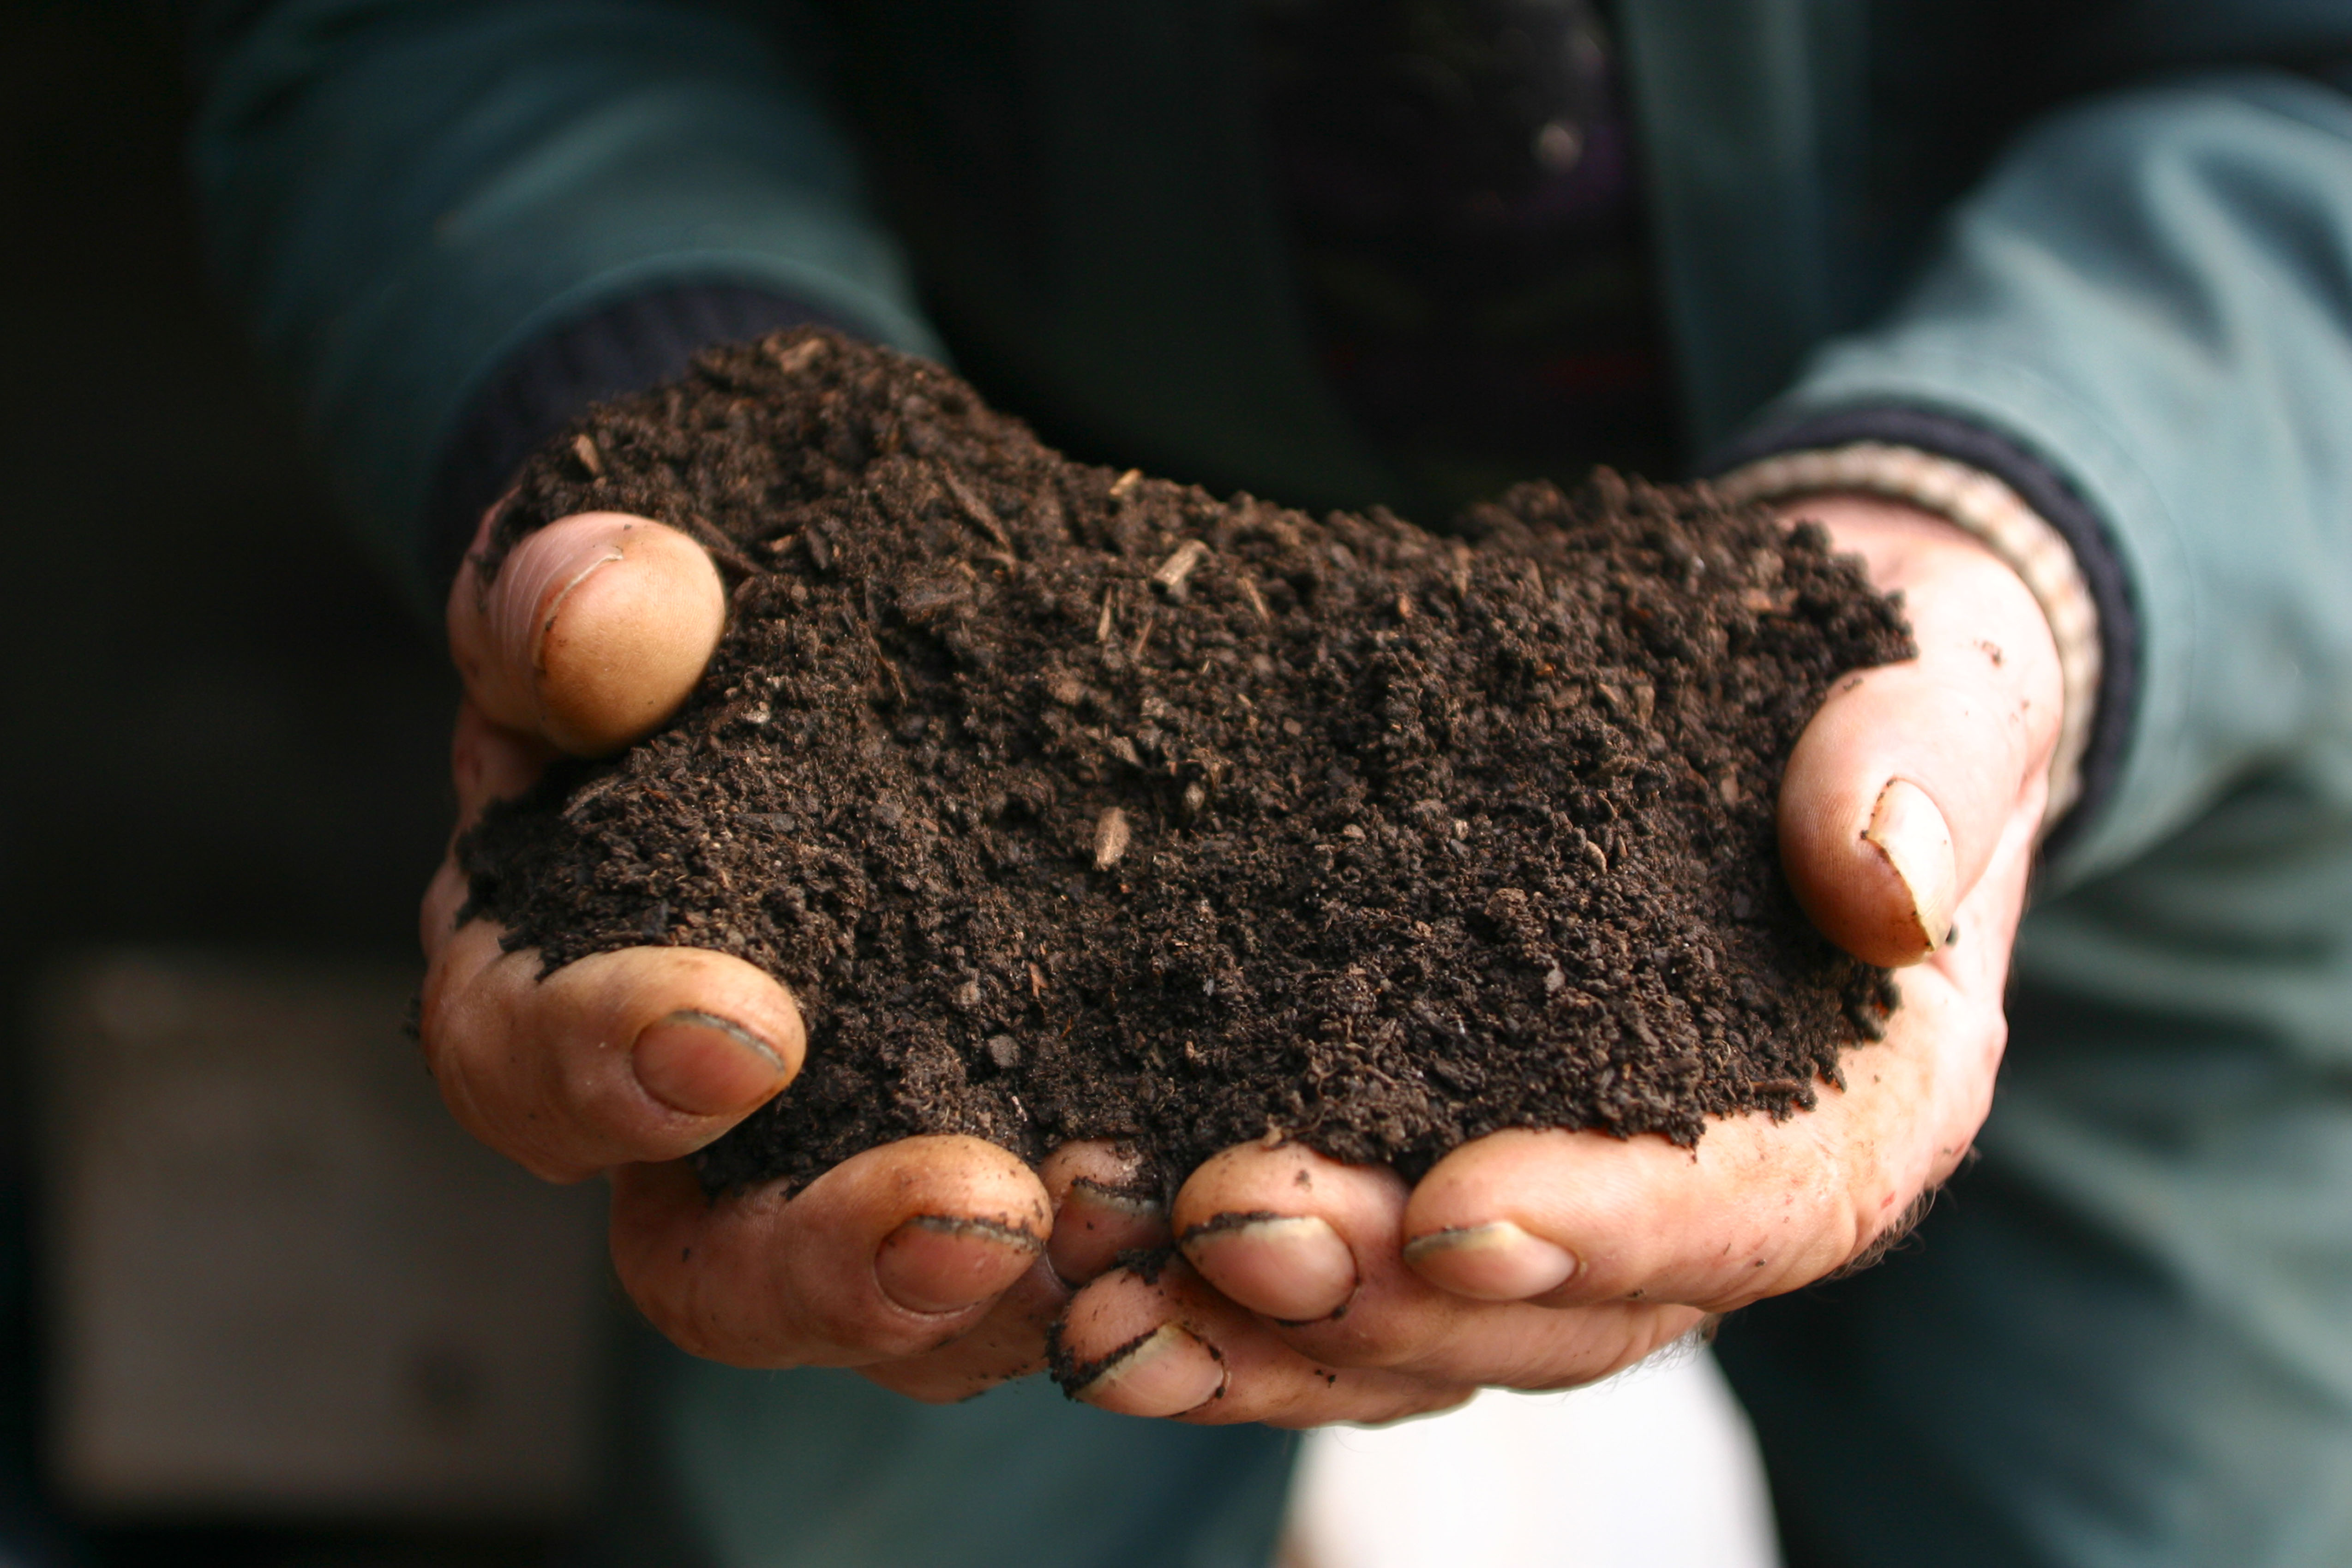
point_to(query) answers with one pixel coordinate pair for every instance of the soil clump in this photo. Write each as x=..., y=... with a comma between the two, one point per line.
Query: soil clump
x=1072, y=803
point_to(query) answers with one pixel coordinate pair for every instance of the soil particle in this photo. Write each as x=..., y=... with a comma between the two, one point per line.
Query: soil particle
x=1079, y=804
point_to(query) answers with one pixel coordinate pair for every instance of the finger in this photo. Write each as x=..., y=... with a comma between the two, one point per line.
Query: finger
x=895, y=1252
x=592, y=633
x=1171, y=1347
x=1760, y=1207
x=646, y=1053
x=1251, y=1219
x=1578, y=1217
x=1101, y=1207
x=1901, y=787
x=1009, y=1342
x=1266, y=1217
x=489, y=762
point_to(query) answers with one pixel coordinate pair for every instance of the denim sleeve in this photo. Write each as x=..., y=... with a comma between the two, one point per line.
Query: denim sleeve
x=401, y=193
x=2152, y=295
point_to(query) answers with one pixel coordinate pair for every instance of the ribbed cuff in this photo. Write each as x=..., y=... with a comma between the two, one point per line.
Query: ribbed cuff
x=2027, y=513
x=625, y=347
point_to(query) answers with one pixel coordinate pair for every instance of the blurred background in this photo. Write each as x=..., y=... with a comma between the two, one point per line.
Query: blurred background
x=260, y=1303
x=250, y=1287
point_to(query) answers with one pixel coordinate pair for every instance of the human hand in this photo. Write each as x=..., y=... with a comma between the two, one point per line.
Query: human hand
x=1312, y=1291
x=932, y=1265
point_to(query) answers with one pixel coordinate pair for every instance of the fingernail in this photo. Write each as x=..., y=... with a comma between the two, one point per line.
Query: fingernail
x=1496, y=1262
x=943, y=1263
x=705, y=1065
x=1294, y=1268
x=1166, y=1373
x=611, y=620
x=1906, y=828
x=1119, y=1200
x=1095, y=1224
x=538, y=575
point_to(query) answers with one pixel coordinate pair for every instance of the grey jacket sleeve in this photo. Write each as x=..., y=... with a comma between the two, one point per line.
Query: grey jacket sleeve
x=401, y=194
x=2153, y=296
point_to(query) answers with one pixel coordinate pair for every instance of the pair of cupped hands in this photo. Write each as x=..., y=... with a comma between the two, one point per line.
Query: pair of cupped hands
x=1303, y=1290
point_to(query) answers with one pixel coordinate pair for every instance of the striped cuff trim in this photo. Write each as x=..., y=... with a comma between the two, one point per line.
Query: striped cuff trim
x=2000, y=519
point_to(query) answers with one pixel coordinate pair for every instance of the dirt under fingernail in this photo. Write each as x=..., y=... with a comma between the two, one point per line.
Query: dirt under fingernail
x=1350, y=832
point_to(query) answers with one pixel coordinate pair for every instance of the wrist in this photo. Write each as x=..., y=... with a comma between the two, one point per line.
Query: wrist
x=1873, y=491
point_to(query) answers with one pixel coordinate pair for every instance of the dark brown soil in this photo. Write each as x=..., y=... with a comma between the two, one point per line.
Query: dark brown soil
x=1072, y=803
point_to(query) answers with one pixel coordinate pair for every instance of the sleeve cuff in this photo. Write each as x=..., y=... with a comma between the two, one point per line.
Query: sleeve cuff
x=2022, y=510
x=620, y=347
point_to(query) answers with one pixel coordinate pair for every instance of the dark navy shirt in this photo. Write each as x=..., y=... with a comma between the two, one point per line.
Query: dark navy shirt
x=1467, y=232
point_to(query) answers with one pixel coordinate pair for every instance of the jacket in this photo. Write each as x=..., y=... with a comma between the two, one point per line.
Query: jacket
x=2107, y=247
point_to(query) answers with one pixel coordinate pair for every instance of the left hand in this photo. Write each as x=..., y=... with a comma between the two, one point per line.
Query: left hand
x=1310, y=1291
x=932, y=1265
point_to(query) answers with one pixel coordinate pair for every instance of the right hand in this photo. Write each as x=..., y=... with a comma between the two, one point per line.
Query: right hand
x=932, y=1265
x=1314, y=1292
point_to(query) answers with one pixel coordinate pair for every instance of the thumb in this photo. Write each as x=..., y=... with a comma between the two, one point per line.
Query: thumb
x=593, y=632
x=1902, y=785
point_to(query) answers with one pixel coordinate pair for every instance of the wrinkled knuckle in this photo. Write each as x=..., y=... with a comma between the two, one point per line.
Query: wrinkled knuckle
x=1357, y=1340
x=1392, y=1399
x=1635, y=1338
x=889, y=1333
x=682, y=1304
x=1556, y=1375
x=608, y=1125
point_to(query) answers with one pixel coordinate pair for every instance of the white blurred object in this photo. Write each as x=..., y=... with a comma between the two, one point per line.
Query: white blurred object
x=1656, y=1467
x=283, y=1280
